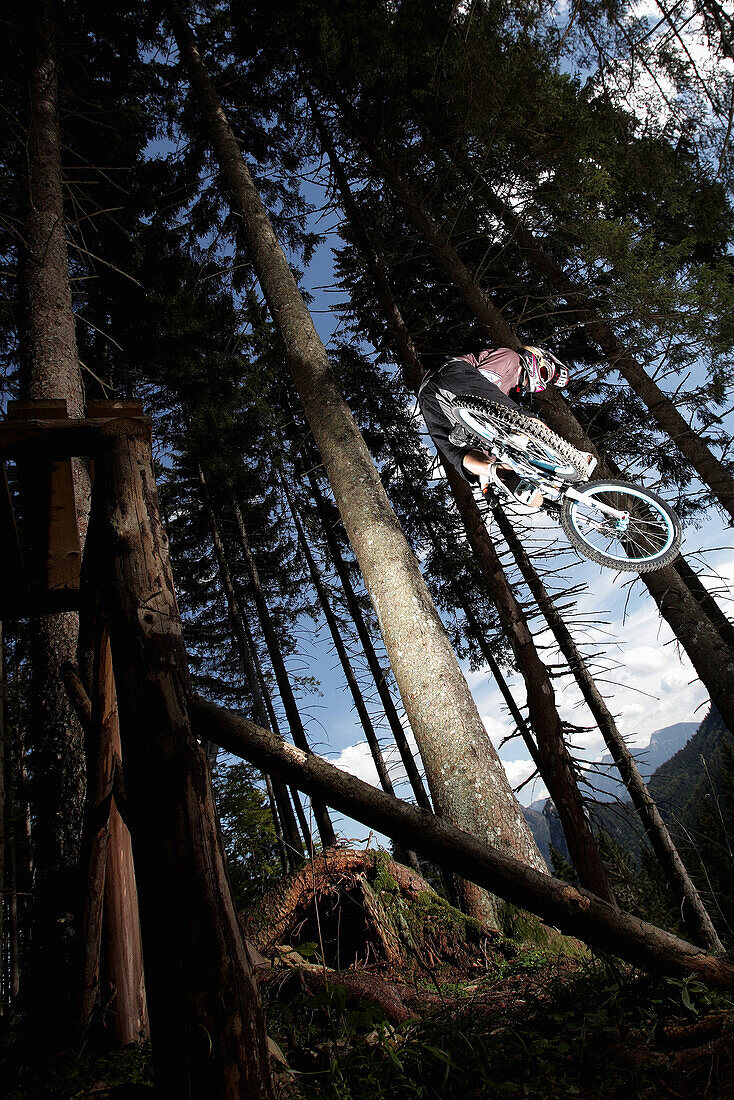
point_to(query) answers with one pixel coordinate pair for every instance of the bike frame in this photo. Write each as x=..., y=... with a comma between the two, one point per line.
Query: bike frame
x=554, y=489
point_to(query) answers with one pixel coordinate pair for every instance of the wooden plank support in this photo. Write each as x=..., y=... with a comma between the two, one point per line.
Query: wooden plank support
x=205, y=1015
x=56, y=560
x=39, y=434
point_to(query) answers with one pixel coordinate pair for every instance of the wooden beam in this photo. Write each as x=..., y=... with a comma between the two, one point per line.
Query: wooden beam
x=63, y=551
x=40, y=436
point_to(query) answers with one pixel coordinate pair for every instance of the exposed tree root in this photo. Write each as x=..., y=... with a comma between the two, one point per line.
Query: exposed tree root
x=362, y=908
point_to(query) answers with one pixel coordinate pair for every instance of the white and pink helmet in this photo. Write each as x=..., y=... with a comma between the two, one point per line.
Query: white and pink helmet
x=541, y=369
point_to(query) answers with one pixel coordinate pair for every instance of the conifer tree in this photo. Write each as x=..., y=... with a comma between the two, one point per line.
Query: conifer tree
x=51, y=371
x=434, y=693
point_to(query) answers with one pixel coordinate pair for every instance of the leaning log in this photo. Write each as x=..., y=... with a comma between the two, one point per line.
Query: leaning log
x=574, y=911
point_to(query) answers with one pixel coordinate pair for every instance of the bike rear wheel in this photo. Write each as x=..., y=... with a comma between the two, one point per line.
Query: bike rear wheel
x=493, y=424
x=647, y=539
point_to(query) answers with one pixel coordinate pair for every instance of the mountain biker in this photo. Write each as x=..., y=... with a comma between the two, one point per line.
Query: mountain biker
x=493, y=375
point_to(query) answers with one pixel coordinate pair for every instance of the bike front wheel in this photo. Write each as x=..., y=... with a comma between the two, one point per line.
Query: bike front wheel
x=622, y=526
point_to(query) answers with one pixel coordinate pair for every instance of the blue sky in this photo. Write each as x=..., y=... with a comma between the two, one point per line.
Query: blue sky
x=648, y=682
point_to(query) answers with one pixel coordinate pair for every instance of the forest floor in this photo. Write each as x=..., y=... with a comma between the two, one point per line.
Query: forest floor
x=532, y=1025
x=374, y=987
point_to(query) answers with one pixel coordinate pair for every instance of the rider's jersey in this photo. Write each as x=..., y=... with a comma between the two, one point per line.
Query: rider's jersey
x=502, y=366
x=492, y=375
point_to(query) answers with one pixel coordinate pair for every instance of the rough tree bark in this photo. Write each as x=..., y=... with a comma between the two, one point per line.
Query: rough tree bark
x=575, y=911
x=478, y=633
x=289, y=826
x=206, y=1019
x=465, y=776
x=50, y=369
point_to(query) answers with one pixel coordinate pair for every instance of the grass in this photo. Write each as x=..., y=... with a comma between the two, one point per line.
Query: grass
x=586, y=1033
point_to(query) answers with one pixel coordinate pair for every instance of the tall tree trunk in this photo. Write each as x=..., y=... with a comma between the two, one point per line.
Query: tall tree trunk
x=705, y=600
x=694, y=914
x=550, y=752
x=360, y=706
x=466, y=778
x=477, y=631
x=236, y=618
x=378, y=674
x=298, y=731
x=274, y=726
x=50, y=370
x=282, y=850
x=206, y=1019
x=554, y=760
x=18, y=824
x=708, y=653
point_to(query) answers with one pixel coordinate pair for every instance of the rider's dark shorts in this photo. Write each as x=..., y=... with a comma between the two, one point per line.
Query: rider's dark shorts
x=458, y=377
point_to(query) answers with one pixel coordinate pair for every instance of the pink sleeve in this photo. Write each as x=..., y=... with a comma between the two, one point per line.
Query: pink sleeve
x=501, y=366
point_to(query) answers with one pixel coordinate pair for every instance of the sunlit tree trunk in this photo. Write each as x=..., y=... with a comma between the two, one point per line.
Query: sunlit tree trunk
x=466, y=778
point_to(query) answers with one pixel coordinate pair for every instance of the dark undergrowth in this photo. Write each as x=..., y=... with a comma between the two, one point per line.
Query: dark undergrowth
x=531, y=1026
x=122, y=1075
x=592, y=1030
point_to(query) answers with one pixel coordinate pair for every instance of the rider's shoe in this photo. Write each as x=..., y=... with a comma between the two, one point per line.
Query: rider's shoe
x=520, y=488
x=591, y=462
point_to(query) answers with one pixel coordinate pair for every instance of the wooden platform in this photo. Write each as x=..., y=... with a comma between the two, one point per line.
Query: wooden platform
x=40, y=560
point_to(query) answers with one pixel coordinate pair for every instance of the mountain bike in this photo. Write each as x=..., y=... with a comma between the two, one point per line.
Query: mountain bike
x=614, y=523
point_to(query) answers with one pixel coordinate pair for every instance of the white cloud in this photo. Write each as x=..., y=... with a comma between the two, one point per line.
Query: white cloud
x=357, y=760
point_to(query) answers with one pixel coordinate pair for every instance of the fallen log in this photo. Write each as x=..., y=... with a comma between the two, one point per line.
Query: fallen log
x=574, y=911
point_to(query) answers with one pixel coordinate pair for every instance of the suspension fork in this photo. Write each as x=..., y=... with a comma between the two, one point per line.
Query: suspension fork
x=621, y=517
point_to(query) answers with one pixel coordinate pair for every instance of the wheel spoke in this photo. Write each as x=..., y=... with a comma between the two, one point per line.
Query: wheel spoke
x=647, y=534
